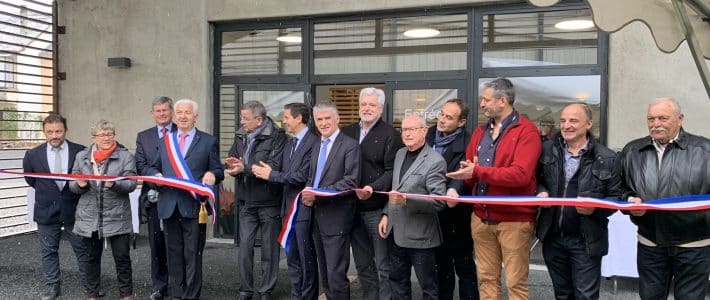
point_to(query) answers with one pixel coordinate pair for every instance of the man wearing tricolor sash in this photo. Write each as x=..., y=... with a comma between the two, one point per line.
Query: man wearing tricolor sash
x=673, y=247
x=188, y=154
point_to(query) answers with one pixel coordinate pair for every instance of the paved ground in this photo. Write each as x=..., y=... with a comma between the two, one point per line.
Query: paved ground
x=20, y=273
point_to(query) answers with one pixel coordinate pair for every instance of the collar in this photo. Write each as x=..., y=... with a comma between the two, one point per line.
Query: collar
x=301, y=133
x=61, y=147
x=333, y=136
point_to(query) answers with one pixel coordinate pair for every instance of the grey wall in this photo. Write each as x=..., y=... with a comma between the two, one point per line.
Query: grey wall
x=168, y=42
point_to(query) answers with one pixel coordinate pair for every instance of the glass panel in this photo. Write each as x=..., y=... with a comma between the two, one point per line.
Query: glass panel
x=426, y=103
x=261, y=52
x=226, y=221
x=381, y=45
x=541, y=99
x=274, y=101
x=534, y=39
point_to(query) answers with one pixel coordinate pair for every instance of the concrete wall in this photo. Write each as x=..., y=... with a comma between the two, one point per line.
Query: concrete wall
x=638, y=73
x=168, y=42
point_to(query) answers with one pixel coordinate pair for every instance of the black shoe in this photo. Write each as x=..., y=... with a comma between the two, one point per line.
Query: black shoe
x=266, y=296
x=156, y=296
x=52, y=292
x=244, y=296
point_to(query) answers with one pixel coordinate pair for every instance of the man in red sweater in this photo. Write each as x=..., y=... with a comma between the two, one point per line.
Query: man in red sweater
x=500, y=161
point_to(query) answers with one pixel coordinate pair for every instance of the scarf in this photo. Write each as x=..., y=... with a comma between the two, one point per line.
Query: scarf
x=101, y=155
x=250, y=139
x=441, y=142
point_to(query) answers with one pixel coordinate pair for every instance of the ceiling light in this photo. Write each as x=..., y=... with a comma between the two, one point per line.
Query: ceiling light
x=422, y=32
x=577, y=24
x=289, y=38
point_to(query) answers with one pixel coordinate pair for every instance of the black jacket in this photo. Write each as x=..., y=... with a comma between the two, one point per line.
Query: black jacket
x=685, y=170
x=455, y=222
x=378, y=149
x=268, y=147
x=598, y=177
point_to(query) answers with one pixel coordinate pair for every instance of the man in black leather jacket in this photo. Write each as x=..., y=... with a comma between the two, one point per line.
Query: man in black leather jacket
x=574, y=239
x=672, y=245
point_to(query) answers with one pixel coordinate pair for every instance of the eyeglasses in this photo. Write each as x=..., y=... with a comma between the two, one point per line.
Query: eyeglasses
x=104, y=135
x=411, y=130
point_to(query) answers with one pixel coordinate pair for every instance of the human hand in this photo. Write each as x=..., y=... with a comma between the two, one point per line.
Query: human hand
x=262, y=171
x=638, y=212
x=397, y=198
x=364, y=193
x=382, y=227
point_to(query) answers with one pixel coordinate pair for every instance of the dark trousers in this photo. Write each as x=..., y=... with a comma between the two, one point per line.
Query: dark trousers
x=574, y=274
x=453, y=262
x=401, y=262
x=687, y=268
x=158, y=251
x=186, y=242
x=49, y=237
x=120, y=248
x=333, y=262
x=371, y=256
x=250, y=220
x=302, y=263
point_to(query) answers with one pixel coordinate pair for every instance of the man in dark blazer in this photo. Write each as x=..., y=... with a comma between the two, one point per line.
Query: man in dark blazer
x=455, y=255
x=178, y=209
x=295, y=164
x=147, y=143
x=378, y=144
x=413, y=222
x=335, y=165
x=54, y=205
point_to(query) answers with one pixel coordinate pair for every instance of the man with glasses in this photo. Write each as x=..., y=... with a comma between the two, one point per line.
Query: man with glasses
x=55, y=205
x=500, y=161
x=147, y=143
x=413, y=222
x=379, y=142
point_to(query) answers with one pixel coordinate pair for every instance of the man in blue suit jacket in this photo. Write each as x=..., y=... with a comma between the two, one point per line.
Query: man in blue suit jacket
x=147, y=143
x=338, y=168
x=55, y=205
x=296, y=160
x=178, y=209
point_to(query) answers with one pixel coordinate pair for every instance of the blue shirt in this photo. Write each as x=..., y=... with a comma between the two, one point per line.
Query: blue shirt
x=487, y=147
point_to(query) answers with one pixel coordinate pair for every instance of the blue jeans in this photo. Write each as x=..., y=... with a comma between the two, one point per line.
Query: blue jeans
x=371, y=256
x=49, y=238
x=574, y=274
x=687, y=268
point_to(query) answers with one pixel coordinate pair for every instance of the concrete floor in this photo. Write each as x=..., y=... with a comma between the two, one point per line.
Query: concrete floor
x=21, y=275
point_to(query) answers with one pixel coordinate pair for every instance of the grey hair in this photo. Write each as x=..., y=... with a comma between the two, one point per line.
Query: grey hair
x=325, y=106
x=195, y=106
x=371, y=91
x=420, y=120
x=502, y=87
x=102, y=125
x=256, y=108
x=673, y=101
x=585, y=107
x=162, y=100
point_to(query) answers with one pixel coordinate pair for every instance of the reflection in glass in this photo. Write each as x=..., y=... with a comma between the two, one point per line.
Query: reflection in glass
x=541, y=99
x=426, y=103
x=261, y=52
x=274, y=101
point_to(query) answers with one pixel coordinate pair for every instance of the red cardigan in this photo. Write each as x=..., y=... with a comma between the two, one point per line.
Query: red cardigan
x=513, y=173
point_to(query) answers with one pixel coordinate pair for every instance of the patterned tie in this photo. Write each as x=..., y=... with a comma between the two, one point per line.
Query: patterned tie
x=322, y=157
x=164, y=132
x=181, y=143
x=295, y=143
x=58, y=166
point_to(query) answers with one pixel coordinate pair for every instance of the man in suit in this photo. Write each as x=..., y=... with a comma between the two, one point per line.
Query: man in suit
x=335, y=165
x=147, y=143
x=258, y=141
x=455, y=256
x=413, y=222
x=54, y=205
x=295, y=164
x=178, y=209
x=379, y=142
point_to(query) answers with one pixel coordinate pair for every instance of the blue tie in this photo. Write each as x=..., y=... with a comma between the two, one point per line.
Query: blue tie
x=322, y=157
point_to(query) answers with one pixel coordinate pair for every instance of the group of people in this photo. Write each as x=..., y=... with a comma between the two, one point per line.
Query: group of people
x=378, y=169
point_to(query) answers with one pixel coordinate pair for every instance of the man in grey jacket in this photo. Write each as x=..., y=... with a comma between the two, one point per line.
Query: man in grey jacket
x=414, y=222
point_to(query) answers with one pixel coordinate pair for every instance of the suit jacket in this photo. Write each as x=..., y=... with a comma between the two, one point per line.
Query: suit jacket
x=455, y=222
x=295, y=171
x=335, y=215
x=52, y=206
x=416, y=223
x=147, y=143
x=201, y=156
x=380, y=146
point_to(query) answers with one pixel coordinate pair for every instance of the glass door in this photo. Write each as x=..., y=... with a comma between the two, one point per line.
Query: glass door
x=424, y=98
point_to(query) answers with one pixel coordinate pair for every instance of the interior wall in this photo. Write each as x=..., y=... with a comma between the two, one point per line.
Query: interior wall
x=639, y=73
